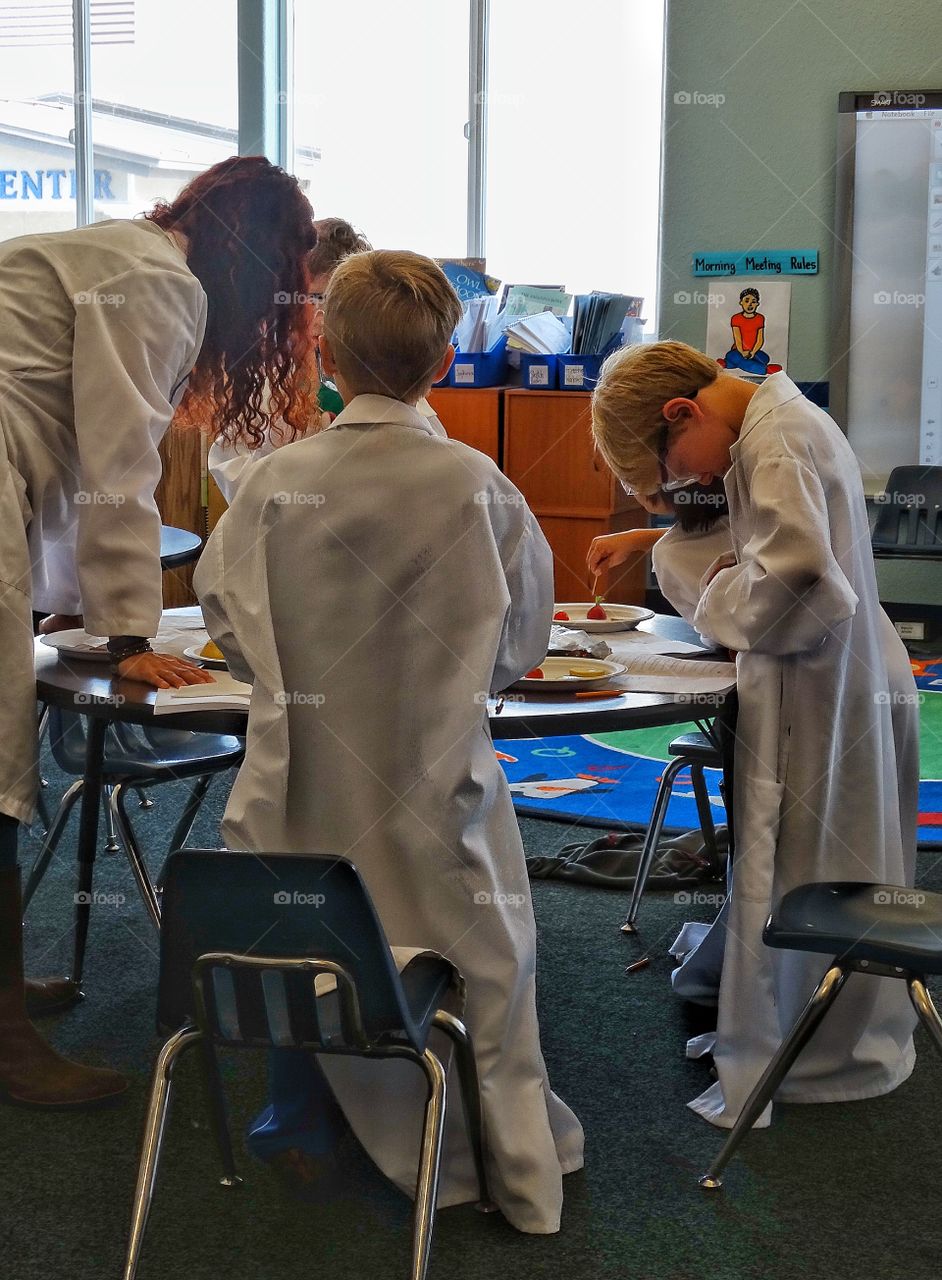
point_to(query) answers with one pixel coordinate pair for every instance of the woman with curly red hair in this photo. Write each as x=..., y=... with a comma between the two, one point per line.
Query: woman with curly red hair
x=105, y=329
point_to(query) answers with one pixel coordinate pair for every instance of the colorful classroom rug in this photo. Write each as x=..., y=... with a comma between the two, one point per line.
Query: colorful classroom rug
x=610, y=780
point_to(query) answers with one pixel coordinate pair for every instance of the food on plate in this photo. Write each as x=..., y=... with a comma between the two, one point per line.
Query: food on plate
x=535, y=674
x=211, y=650
x=597, y=613
x=561, y=616
x=584, y=673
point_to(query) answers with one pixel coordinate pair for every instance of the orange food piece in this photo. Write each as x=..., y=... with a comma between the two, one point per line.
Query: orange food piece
x=211, y=650
x=535, y=674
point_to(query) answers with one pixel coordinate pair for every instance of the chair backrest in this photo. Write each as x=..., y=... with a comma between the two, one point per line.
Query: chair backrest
x=266, y=907
x=909, y=516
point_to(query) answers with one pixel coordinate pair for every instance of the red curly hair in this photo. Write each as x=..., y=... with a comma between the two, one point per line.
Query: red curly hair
x=250, y=231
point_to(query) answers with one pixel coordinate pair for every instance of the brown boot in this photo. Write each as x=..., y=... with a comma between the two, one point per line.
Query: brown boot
x=30, y=1071
x=46, y=996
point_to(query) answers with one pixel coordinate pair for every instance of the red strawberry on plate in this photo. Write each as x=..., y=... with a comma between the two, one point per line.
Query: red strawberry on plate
x=597, y=613
x=535, y=674
x=561, y=616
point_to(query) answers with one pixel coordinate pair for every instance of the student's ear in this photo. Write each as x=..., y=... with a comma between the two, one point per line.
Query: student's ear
x=680, y=409
x=445, y=365
x=327, y=356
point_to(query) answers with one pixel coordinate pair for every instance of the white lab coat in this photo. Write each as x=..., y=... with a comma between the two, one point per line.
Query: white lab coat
x=376, y=581
x=98, y=329
x=230, y=463
x=827, y=770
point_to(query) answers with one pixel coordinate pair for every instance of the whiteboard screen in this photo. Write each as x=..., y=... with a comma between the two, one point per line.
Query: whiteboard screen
x=894, y=335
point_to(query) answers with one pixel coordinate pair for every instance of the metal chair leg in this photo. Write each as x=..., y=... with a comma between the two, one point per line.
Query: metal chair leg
x=219, y=1120
x=143, y=798
x=457, y=1033
x=928, y=1014
x=48, y=848
x=704, y=810
x=426, y=1189
x=824, y=996
x=192, y=807
x=111, y=841
x=157, y=1108
x=134, y=855
x=651, y=838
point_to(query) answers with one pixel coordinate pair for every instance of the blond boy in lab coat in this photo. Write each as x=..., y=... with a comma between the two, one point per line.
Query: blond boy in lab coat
x=824, y=787
x=376, y=582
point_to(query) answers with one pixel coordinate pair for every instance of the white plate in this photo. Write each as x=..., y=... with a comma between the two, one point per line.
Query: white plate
x=556, y=677
x=215, y=664
x=78, y=644
x=621, y=617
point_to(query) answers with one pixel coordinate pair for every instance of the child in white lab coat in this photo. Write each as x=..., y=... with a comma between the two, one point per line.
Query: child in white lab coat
x=376, y=581
x=825, y=782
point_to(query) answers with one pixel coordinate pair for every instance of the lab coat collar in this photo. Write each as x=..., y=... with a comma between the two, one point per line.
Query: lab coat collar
x=368, y=410
x=777, y=390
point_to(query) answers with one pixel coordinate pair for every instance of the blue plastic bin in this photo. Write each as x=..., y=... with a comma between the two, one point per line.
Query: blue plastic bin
x=479, y=368
x=538, y=373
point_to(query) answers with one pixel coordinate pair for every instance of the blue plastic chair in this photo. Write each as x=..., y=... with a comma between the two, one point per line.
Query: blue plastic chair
x=139, y=761
x=313, y=918
x=884, y=930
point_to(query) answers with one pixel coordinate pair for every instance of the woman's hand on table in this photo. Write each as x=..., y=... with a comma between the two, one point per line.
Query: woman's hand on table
x=163, y=670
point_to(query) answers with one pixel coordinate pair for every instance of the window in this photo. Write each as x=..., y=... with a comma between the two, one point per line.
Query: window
x=164, y=104
x=380, y=101
x=37, y=158
x=574, y=137
x=381, y=96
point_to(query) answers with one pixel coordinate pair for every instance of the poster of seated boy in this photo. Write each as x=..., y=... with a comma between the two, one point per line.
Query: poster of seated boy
x=747, y=326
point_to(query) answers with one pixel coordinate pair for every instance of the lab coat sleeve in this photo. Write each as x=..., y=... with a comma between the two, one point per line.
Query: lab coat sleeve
x=228, y=464
x=681, y=559
x=211, y=584
x=529, y=577
x=128, y=354
x=788, y=592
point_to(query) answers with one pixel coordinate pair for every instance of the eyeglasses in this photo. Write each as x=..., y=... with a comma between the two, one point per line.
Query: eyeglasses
x=666, y=486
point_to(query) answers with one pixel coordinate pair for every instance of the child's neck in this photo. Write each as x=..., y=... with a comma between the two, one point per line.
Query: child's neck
x=733, y=399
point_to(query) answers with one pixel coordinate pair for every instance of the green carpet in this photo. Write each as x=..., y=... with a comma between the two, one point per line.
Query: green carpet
x=829, y=1191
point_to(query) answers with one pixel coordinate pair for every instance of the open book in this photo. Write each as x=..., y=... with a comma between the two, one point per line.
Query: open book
x=224, y=694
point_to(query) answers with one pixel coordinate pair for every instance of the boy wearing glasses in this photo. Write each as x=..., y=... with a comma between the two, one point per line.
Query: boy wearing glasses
x=827, y=741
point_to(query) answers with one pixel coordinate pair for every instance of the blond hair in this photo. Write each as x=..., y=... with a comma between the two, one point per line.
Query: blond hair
x=389, y=316
x=336, y=240
x=627, y=419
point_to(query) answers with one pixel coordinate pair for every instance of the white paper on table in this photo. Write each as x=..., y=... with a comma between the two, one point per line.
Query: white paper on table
x=626, y=644
x=180, y=629
x=658, y=673
x=224, y=694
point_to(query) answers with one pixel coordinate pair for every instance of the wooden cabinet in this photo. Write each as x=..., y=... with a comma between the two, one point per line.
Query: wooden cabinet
x=472, y=415
x=550, y=456
x=180, y=502
x=541, y=439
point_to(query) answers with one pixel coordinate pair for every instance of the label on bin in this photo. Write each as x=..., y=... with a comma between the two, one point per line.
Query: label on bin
x=464, y=373
x=539, y=375
x=574, y=375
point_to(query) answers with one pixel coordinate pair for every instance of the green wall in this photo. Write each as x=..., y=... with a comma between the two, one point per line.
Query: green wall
x=757, y=171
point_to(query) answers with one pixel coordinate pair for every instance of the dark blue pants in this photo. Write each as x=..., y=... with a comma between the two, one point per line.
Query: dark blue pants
x=302, y=1112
